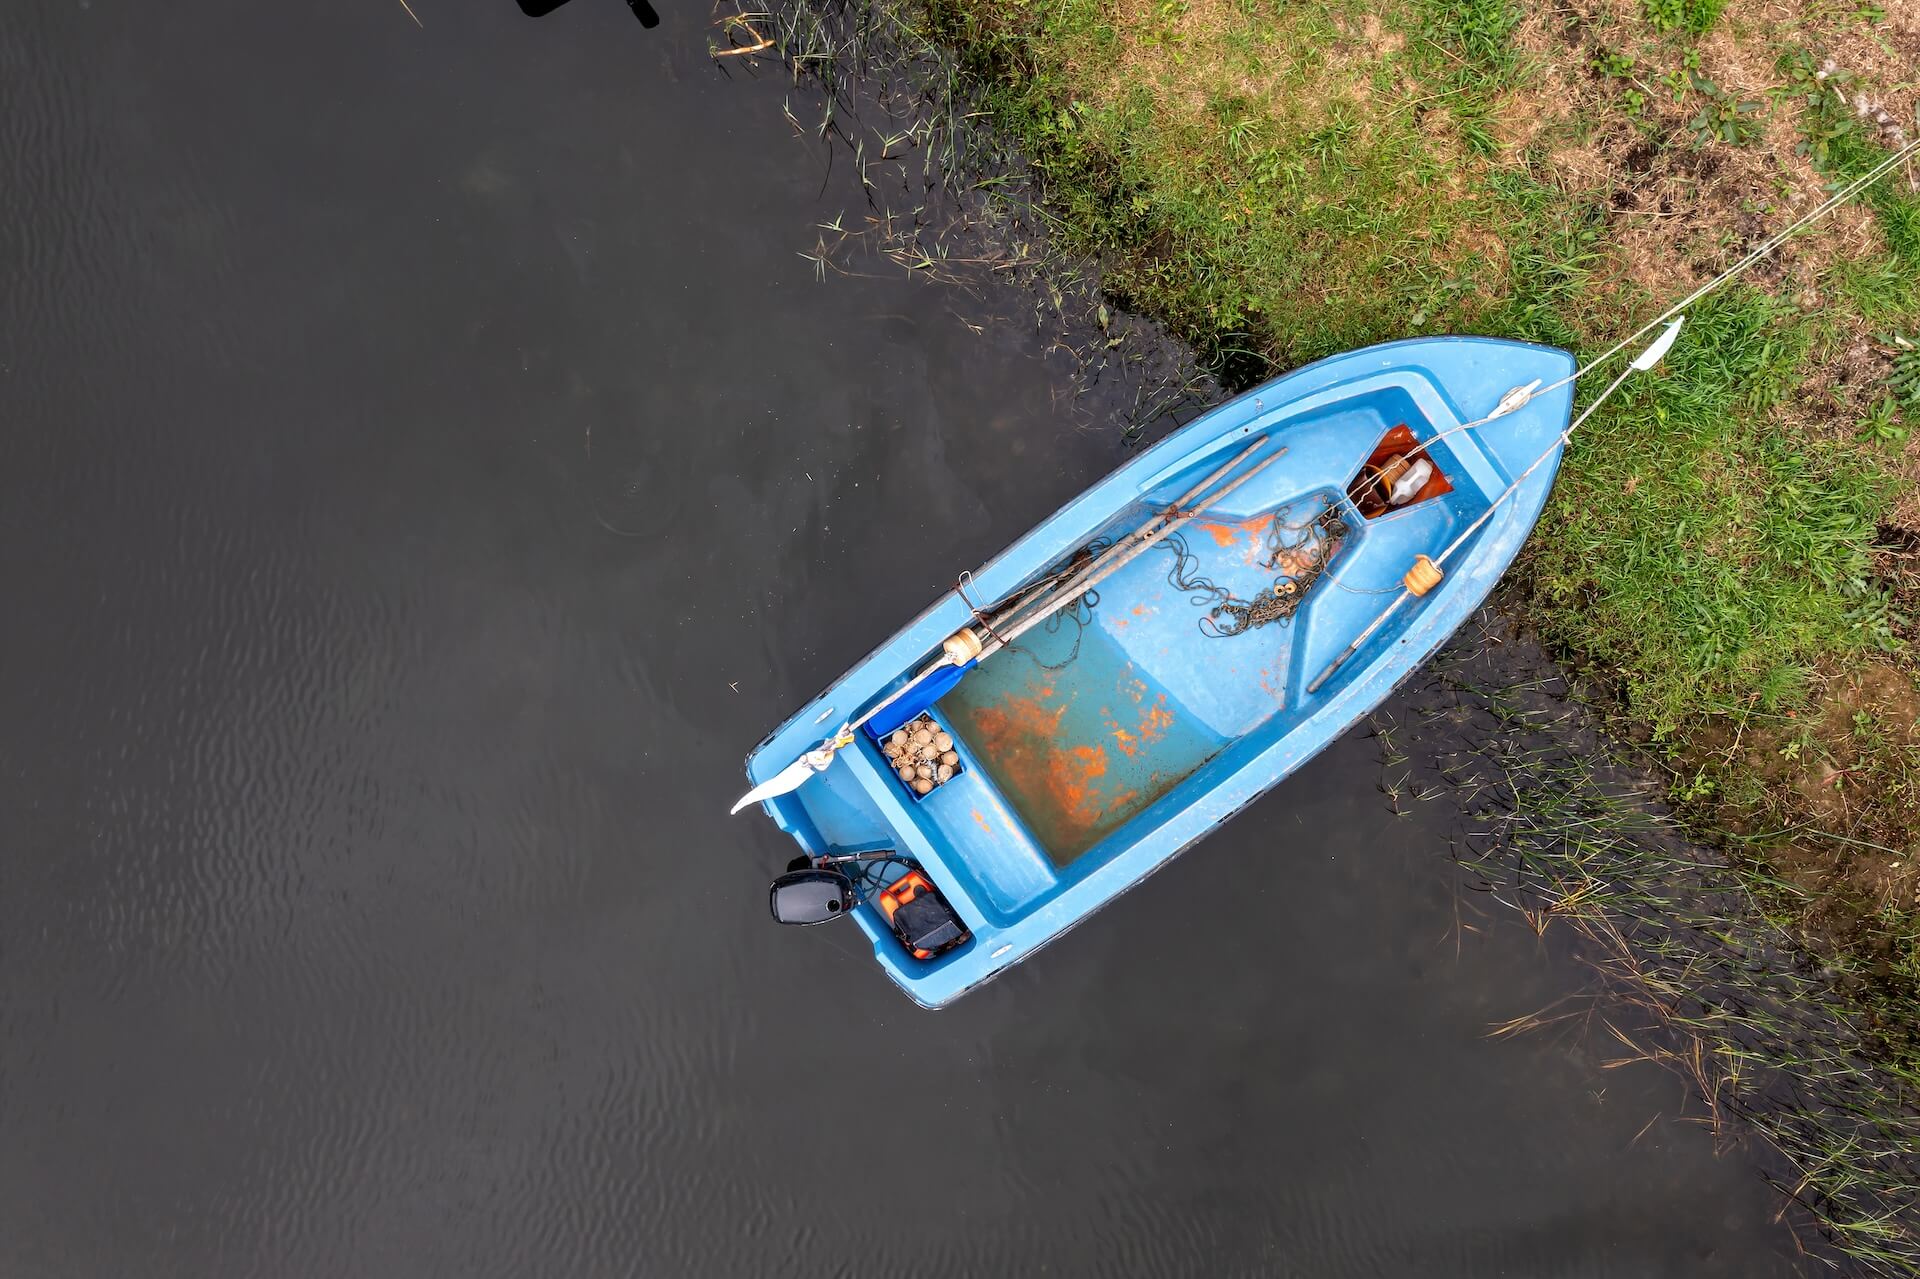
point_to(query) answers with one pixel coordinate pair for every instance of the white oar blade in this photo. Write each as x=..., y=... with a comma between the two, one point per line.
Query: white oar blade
x=1661, y=345
x=790, y=778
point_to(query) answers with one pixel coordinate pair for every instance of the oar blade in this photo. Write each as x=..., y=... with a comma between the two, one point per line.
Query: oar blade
x=1657, y=350
x=790, y=778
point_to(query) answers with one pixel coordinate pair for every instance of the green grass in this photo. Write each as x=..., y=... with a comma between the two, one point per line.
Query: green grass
x=1696, y=17
x=1479, y=33
x=1710, y=554
x=1903, y=385
x=1223, y=215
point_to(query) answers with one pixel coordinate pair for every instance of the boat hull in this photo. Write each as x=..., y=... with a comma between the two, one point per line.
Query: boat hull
x=1097, y=748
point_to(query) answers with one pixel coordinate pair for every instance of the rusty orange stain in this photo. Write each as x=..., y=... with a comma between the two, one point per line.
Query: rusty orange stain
x=1020, y=734
x=1157, y=720
x=1128, y=742
x=1074, y=780
x=1251, y=532
x=1140, y=610
x=1017, y=721
x=1257, y=539
x=1070, y=793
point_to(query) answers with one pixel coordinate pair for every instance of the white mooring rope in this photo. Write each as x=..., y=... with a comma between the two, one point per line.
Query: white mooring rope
x=1520, y=396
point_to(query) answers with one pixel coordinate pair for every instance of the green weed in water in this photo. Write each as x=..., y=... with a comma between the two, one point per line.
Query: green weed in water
x=1820, y=1063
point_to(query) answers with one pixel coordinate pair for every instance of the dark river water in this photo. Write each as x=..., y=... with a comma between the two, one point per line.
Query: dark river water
x=428, y=466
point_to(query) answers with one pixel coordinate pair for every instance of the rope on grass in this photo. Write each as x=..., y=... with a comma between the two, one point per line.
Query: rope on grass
x=1832, y=202
x=1520, y=396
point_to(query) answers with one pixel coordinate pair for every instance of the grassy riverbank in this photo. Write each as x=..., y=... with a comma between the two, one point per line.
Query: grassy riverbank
x=1735, y=548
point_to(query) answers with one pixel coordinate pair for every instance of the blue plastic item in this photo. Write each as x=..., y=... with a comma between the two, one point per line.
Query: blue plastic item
x=1097, y=750
x=931, y=689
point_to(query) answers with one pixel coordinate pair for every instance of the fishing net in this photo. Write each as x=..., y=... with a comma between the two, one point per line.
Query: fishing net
x=1297, y=553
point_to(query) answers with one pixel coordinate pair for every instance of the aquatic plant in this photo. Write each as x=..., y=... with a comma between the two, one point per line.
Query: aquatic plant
x=949, y=196
x=1815, y=1064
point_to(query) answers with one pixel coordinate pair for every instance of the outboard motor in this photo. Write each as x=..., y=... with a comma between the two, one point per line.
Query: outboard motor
x=811, y=896
x=813, y=891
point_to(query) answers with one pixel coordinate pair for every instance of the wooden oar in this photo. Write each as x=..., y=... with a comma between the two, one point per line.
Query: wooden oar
x=968, y=647
x=1108, y=565
x=964, y=650
x=1172, y=510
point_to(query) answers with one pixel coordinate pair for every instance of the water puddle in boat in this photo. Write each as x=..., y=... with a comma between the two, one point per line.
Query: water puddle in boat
x=1076, y=734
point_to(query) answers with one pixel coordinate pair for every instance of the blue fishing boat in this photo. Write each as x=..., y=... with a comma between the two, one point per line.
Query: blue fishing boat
x=1158, y=653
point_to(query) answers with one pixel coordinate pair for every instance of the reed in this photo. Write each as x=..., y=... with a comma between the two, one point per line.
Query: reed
x=1811, y=1060
x=949, y=198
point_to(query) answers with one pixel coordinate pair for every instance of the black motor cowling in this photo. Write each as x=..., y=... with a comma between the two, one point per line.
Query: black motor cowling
x=811, y=896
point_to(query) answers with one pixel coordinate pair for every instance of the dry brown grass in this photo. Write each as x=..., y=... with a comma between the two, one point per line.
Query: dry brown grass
x=1679, y=215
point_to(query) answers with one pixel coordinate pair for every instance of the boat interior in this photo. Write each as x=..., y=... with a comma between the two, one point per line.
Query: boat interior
x=1092, y=728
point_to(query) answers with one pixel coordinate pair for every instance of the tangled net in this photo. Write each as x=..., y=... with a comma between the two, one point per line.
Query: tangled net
x=1297, y=553
x=1078, y=614
x=1299, y=562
